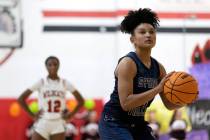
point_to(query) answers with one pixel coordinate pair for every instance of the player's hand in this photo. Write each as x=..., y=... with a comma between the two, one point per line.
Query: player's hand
x=66, y=114
x=37, y=115
x=162, y=82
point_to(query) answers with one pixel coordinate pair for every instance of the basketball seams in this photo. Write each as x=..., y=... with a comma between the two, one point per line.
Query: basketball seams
x=176, y=80
x=173, y=83
x=181, y=91
x=176, y=97
x=183, y=83
x=179, y=98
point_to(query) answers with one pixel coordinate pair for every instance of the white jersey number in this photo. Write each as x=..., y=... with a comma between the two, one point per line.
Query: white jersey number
x=54, y=106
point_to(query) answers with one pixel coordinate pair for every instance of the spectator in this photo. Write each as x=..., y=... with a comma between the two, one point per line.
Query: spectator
x=153, y=123
x=90, y=129
x=178, y=130
x=71, y=131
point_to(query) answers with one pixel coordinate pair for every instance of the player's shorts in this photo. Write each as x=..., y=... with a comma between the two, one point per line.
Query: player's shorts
x=46, y=128
x=113, y=129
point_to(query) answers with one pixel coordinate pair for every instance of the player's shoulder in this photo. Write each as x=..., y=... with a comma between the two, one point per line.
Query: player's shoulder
x=43, y=80
x=65, y=81
x=126, y=67
x=127, y=62
x=40, y=81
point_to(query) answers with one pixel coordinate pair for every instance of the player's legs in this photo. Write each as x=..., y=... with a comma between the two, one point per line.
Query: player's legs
x=110, y=129
x=37, y=136
x=60, y=136
x=41, y=130
x=142, y=133
x=58, y=130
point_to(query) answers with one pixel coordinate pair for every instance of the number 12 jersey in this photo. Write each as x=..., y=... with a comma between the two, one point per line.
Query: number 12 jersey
x=52, y=96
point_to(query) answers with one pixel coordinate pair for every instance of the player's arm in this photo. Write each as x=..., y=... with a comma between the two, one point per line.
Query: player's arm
x=24, y=96
x=167, y=104
x=126, y=71
x=79, y=98
x=80, y=101
x=22, y=101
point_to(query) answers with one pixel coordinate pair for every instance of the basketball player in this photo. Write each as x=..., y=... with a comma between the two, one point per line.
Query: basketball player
x=50, y=121
x=138, y=79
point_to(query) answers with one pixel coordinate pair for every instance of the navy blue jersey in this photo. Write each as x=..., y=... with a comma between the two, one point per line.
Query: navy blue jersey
x=145, y=79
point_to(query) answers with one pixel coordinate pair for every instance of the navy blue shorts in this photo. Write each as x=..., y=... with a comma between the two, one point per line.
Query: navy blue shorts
x=113, y=129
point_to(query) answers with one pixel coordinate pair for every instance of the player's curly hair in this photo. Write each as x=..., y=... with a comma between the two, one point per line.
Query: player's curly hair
x=51, y=57
x=136, y=17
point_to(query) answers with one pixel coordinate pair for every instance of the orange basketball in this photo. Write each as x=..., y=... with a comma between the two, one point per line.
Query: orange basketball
x=181, y=88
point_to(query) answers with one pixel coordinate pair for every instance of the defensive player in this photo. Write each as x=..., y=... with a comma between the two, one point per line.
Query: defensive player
x=50, y=121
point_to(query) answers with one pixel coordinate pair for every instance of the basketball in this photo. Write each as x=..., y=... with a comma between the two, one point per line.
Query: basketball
x=181, y=88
